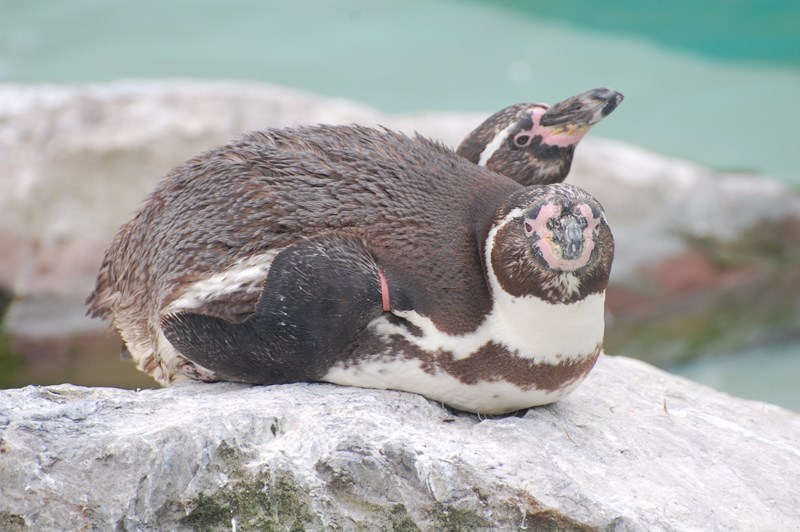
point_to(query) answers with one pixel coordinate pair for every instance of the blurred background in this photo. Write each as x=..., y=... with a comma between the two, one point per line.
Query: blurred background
x=709, y=288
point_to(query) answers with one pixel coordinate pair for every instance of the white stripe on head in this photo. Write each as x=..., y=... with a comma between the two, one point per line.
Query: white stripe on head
x=495, y=144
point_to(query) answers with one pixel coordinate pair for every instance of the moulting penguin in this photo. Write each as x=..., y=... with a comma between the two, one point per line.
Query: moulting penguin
x=361, y=257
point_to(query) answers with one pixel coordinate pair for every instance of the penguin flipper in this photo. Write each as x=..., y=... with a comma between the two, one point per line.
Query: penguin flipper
x=319, y=295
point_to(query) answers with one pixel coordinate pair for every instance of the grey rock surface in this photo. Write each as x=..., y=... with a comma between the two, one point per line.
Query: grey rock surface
x=633, y=448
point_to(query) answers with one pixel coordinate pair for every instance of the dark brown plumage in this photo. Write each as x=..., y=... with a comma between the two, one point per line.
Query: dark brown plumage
x=188, y=282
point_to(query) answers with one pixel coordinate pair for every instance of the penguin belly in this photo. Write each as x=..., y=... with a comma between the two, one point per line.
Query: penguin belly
x=494, y=370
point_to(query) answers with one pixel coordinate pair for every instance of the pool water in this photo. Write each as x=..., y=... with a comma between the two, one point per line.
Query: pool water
x=764, y=374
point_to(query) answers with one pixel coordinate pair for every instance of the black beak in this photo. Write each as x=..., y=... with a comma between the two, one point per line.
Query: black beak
x=572, y=240
x=583, y=110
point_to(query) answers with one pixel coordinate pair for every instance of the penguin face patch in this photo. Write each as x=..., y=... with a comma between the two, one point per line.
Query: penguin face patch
x=563, y=237
x=531, y=127
x=555, y=245
x=527, y=126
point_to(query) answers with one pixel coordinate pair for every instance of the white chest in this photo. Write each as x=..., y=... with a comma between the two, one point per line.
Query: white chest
x=527, y=326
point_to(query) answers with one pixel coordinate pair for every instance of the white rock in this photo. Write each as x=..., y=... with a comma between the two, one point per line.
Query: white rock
x=633, y=449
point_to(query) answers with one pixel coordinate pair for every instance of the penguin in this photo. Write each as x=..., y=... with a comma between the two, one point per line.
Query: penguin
x=361, y=257
x=533, y=143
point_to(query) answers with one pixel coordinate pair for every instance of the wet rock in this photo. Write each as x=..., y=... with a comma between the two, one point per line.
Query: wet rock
x=632, y=449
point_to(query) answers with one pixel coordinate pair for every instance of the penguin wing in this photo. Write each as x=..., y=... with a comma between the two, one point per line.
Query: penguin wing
x=320, y=293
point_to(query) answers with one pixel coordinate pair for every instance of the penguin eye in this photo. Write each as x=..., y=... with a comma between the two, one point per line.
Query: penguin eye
x=525, y=127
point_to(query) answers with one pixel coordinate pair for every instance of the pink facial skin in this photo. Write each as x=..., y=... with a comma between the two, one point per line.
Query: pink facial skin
x=545, y=244
x=550, y=135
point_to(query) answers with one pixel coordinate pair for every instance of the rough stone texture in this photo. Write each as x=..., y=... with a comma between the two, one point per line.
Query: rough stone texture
x=633, y=449
x=696, y=249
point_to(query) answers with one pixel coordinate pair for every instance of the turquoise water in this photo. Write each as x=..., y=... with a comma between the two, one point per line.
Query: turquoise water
x=717, y=82
x=769, y=375
x=710, y=81
x=764, y=31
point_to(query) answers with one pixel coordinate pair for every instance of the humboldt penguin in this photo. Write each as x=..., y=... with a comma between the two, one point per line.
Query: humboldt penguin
x=361, y=257
x=533, y=143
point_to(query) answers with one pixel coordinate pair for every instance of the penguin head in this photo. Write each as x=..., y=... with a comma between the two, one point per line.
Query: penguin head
x=551, y=242
x=533, y=143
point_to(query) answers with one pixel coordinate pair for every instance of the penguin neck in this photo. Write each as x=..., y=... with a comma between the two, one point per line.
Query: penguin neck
x=544, y=170
x=492, y=212
x=489, y=243
x=540, y=164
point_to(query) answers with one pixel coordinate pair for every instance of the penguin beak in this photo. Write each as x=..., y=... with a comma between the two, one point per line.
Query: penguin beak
x=579, y=113
x=572, y=240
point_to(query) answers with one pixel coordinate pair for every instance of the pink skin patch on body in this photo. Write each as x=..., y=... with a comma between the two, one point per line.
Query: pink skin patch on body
x=546, y=245
x=553, y=136
x=387, y=306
